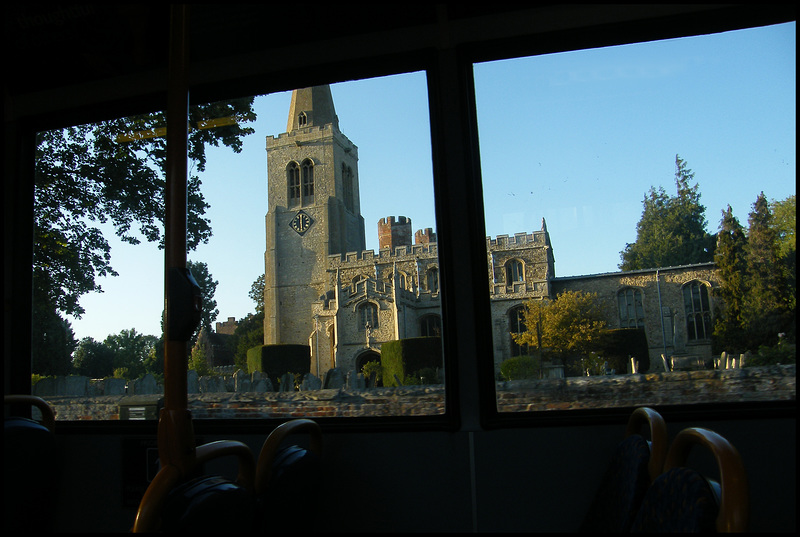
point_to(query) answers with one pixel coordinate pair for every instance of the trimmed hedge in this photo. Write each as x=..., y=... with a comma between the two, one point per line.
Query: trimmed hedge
x=520, y=367
x=407, y=356
x=277, y=360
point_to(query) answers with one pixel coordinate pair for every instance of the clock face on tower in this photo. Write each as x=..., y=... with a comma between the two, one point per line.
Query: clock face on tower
x=301, y=222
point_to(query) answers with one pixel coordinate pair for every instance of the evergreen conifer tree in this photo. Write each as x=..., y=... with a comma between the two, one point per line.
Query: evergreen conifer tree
x=767, y=307
x=730, y=259
x=671, y=231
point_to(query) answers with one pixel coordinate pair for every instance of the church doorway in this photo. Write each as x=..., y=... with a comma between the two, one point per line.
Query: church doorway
x=368, y=357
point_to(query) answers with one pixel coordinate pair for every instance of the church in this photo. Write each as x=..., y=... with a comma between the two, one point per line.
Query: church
x=325, y=290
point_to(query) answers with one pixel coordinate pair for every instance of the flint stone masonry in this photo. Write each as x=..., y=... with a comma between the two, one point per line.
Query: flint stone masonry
x=768, y=383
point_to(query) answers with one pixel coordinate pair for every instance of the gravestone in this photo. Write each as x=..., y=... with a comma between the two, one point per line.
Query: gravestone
x=192, y=385
x=241, y=382
x=310, y=382
x=333, y=379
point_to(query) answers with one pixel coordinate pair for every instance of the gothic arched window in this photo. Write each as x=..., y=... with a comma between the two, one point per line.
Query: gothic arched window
x=697, y=311
x=430, y=325
x=293, y=183
x=402, y=280
x=631, y=312
x=368, y=315
x=307, y=172
x=515, y=272
x=432, y=279
x=347, y=188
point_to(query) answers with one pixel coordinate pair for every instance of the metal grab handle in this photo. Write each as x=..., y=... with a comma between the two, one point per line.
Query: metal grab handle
x=48, y=414
x=150, y=508
x=658, y=437
x=734, y=509
x=270, y=448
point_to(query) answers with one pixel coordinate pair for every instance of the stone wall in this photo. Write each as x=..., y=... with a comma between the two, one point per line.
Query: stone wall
x=768, y=383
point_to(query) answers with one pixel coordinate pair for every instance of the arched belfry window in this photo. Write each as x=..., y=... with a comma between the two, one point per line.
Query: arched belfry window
x=302, y=119
x=432, y=279
x=307, y=173
x=347, y=187
x=293, y=184
x=515, y=272
x=697, y=310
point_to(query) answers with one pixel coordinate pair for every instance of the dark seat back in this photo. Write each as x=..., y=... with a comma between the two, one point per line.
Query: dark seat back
x=632, y=467
x=681, y=499
x=288, y=479
x=30, y=469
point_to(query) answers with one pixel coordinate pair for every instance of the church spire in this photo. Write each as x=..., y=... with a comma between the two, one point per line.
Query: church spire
x=311, y=107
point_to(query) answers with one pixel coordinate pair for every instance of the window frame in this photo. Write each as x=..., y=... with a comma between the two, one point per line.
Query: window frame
x=703, y=316
x=637, y=305
x=470, y=394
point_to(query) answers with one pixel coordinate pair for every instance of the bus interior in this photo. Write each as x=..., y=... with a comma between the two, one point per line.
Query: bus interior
x=470, y=467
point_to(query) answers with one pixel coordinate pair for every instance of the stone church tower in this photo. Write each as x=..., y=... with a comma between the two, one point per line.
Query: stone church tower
x=314, y=211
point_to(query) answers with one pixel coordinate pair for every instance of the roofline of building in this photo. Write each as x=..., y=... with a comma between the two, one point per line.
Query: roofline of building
x=633, y=272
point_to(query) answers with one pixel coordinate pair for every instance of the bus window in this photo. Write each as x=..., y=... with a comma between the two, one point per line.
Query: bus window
x=621, y=186
x=316, y=255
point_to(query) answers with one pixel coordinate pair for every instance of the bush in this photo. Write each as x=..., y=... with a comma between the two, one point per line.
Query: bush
x=373, y=367
x=782, y=353
x=521, y=367
x=427, y=375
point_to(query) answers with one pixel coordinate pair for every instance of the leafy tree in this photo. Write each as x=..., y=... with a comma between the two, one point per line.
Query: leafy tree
x=111, y=174
x=249, y=333
x=131, y=351
x=52, y=350
x=257, y=293
x=199, y=355
x=154, y=363
x=208, y=285
x=784, y=217
x=572, y=324
x=93, y=359
x=671, y=231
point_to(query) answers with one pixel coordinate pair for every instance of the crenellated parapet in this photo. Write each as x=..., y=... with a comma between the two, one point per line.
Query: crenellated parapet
x=310, y=135
x=539, y=239
x=401, y=253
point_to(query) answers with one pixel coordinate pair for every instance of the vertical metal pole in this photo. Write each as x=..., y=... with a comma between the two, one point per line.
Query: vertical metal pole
x=661, y=315
x=175, y=435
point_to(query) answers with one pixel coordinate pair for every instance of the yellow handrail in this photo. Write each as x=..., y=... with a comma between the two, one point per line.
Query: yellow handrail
x=734, y=510
x=658, y=437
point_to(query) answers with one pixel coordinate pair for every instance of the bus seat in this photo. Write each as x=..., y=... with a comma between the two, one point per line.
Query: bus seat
x=288, y=479
x=634, y=464
x=30, y=468
x=681, y=499
x=204, y=503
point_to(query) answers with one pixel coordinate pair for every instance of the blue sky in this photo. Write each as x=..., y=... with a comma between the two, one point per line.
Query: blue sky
x=576, y=138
